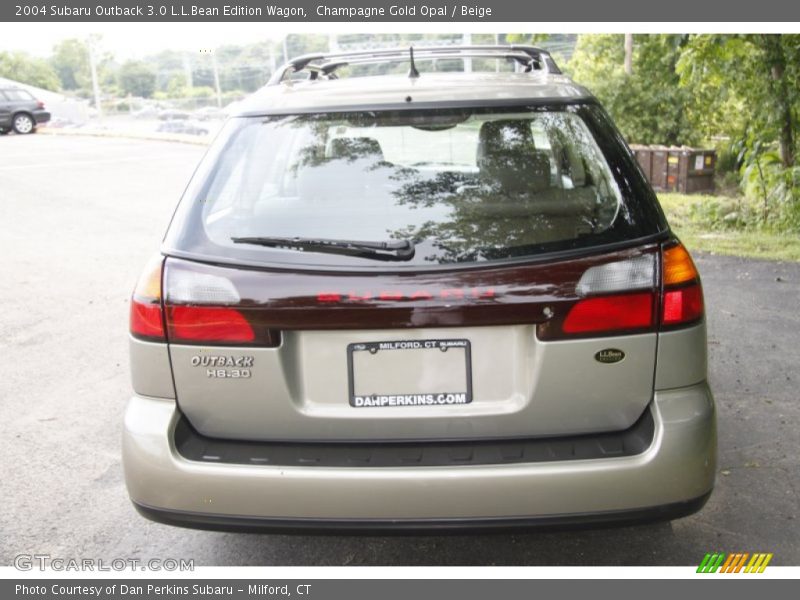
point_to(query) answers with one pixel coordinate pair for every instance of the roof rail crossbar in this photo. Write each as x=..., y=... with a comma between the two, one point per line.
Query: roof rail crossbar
x=326, y=69
x=324, y=64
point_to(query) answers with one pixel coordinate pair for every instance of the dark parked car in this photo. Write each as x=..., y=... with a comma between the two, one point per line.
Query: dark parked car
x=187, y=127
x=171, y=114
x=20, y=111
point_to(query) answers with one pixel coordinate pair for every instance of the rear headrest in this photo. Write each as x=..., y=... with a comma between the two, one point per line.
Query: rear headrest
x=354, y=148
x=508, y=159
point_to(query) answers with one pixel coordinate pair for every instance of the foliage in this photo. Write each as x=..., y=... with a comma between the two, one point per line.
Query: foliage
x=777, y=187
x=750, y=87
x=724, y=225
x=743, y=91
x=70, y=60
x=24, y=68
x=136, y=78
x=648, y=105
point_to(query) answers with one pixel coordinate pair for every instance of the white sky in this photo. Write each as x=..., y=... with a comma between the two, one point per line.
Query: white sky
x=133, y=40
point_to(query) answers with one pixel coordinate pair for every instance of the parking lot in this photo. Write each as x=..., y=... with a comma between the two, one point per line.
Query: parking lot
x=79, y=216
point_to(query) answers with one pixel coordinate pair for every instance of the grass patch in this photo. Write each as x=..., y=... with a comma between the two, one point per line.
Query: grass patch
x=715, y=224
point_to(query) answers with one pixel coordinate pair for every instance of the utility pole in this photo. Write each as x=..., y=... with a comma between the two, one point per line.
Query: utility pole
x=216, y=79
x=187, y=69
x=628, y=53
x=93, y=68
x=467, y=41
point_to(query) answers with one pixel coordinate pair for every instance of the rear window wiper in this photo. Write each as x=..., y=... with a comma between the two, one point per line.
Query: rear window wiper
x=388, y=250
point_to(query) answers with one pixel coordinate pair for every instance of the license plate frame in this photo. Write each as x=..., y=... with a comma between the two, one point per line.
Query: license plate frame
x=410, y=398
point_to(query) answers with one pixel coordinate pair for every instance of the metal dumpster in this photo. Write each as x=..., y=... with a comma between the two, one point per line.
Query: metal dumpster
x=677, y=168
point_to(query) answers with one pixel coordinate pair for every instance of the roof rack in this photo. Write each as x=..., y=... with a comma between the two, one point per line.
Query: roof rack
x=324, y=65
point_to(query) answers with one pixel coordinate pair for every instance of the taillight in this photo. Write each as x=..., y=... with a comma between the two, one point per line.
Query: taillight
x=146, y=318
x=682, y=299
x=617, y=297
x=208, y=324
x=610, y=313
x=627, y=297
x=202, y=308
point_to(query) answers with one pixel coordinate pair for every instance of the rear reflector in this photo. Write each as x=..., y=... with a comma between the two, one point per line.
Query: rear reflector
x=146, y=318
x=621, y=312
x=208, y=324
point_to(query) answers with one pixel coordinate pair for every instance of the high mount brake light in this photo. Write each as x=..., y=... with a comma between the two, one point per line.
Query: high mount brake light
x=146, y=317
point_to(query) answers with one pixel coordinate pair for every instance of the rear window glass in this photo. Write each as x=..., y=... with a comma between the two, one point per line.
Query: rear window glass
x=460, y=185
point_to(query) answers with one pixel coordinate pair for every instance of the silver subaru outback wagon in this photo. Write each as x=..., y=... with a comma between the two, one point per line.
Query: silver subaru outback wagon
x=433, y=300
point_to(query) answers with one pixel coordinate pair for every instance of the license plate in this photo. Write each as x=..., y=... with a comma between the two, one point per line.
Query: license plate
x=410, y=373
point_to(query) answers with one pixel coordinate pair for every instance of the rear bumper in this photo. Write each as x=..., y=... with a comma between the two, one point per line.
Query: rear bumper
x=243, y=524
x=41, y=116
x=671, y=478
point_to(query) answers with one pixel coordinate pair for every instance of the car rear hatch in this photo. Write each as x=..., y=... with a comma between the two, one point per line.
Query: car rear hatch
x=473, y=353
x=530, y=306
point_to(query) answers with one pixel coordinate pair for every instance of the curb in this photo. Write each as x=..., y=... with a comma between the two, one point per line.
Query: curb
x=153, y=137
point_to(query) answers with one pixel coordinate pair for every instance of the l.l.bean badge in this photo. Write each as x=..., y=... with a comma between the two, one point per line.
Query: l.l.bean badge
x=609, y=356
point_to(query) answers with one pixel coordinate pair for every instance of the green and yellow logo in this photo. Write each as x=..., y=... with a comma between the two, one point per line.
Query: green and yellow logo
x=738, y=562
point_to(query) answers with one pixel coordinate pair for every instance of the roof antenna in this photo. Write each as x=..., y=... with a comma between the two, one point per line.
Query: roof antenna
x=412, y=72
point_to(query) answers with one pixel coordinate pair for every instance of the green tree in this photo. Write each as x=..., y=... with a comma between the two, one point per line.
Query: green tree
x=137, y=79
x=648, y=105
x=71, y=62
x=24, y=68
x=749, y=86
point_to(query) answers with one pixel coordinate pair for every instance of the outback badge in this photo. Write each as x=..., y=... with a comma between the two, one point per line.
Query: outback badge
x=609, y=355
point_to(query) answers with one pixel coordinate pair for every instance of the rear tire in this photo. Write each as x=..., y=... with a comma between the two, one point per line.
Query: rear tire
x=23, y=123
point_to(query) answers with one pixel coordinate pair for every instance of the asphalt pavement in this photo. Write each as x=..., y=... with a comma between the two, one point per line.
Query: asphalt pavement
x=79, y=218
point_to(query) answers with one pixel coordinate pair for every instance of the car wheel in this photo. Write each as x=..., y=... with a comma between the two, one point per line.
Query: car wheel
x=23, y=124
